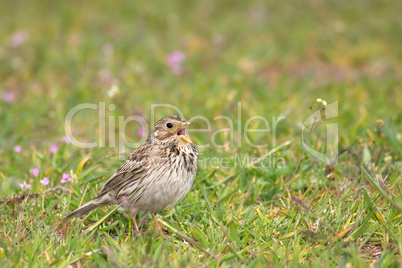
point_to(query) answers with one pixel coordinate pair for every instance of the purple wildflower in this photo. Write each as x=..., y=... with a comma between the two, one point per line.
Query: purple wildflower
x=17, y=149
x=66, y=178
x=66, y=139
x=54, y=148
x=35, y=172
x=9, y=97
x=174, y=60
x=25, y=185
x=19, y=38
x=45, y=181
x=141, y=132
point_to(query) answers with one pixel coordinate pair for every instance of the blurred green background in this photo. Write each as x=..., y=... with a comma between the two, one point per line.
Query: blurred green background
x=273, y=57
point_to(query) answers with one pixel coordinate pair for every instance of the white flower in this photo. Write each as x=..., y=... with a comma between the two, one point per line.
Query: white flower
x=113, y=91
x=73, y=176
x=323, y=102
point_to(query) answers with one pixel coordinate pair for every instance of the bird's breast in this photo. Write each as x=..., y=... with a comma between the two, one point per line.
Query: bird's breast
x=170, y=181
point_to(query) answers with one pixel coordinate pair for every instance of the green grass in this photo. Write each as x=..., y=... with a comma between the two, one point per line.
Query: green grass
x=276, y=58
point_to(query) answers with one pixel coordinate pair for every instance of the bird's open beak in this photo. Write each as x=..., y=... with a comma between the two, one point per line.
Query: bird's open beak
x=182, y=132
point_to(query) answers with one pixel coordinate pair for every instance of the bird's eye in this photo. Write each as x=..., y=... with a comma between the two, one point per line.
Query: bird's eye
x=169, y=125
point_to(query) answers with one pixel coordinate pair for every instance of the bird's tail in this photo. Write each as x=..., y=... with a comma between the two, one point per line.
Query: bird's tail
x=88, y=207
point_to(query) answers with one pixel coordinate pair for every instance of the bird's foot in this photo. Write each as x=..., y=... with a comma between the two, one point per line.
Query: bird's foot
x=160, y=228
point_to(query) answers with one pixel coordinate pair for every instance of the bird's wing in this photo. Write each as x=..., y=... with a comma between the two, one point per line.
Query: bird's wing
x=132, y=169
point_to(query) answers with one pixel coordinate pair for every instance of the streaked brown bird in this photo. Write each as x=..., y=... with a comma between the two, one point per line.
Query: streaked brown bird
x=156, y=176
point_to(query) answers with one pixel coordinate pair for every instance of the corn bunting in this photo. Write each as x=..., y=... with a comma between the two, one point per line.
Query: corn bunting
x=156, y=176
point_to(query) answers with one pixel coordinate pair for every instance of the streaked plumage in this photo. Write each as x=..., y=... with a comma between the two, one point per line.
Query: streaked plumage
x=157, y=175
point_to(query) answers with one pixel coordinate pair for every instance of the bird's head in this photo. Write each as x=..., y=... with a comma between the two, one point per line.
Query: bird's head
x=170, y=129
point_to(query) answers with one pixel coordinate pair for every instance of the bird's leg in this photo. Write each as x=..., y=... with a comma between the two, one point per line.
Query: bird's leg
x=135, y=225
x=134, y=214
x=156, y=223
